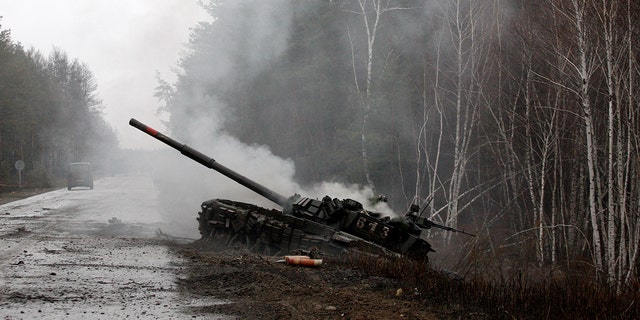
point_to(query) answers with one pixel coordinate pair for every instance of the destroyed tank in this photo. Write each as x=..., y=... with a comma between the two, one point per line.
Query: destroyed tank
x=330, y=225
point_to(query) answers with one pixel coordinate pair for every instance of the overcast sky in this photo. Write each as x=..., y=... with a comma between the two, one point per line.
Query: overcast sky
x=124, y=43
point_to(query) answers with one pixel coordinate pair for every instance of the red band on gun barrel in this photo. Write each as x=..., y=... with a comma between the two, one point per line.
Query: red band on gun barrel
x=152, y=131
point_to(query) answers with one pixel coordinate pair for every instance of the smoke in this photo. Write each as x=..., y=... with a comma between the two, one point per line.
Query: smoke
x=184, y=184
x=258, y=31
x=356, y=192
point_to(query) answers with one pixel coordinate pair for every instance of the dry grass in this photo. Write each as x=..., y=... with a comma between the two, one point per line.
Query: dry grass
x=531, y=293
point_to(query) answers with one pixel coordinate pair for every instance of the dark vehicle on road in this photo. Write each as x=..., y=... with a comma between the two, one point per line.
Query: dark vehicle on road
x=79, y=174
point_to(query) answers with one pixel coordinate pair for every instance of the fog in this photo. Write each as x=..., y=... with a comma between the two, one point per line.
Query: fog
x=124, y=44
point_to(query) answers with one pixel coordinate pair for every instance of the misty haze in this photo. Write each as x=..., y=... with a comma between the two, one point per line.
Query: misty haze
x=514, y=121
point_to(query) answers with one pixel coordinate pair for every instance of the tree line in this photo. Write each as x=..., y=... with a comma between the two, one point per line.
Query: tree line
x=519, y=119
x=50, y=114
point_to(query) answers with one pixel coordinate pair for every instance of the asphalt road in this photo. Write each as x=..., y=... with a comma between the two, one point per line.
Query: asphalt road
x=91, y=254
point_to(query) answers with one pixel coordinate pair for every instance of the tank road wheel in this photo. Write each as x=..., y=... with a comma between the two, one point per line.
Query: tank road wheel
x=239, y=238
x=231, y=239
x=215, y=235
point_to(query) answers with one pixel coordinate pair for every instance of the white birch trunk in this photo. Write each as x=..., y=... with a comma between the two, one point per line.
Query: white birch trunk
x=631, y=253
x=585, y=76
x=608, y=15
x=464, y=29
x=454, y=187
x=434, y=165
x=371, y=40
x=371, y=29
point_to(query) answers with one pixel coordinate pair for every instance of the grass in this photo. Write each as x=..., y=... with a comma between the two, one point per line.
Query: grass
x=526, y=294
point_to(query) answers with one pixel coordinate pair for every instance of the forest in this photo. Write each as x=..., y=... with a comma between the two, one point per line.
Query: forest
x=516, y=119
x=50, y=115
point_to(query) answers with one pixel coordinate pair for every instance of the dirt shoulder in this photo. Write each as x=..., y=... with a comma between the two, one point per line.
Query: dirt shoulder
x=258, y=286
x=14, y=195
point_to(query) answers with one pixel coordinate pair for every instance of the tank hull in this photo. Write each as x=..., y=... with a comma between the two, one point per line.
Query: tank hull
x=273, y=232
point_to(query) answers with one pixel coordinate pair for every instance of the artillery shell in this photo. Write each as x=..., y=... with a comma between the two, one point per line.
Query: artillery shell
x=304, y=262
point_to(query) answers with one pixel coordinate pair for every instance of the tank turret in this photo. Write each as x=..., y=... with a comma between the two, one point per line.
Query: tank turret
x=329, y=224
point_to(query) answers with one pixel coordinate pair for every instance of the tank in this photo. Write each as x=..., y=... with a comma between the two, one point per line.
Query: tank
x=328, y=225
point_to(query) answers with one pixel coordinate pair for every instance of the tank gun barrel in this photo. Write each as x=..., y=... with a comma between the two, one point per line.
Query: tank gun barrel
x=211, y=163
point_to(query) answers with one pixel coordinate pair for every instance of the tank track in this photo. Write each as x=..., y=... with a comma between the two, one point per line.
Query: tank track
x=271, y=232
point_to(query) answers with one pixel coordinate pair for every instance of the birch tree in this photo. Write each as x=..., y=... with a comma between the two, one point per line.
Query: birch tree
x=618, y=39
x=631, y=224
x=462, y=18
x=607, y=16
x=583, y=69
x=371, y=13
x=603, y=64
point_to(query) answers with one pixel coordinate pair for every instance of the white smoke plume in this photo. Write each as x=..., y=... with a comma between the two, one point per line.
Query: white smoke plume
x=184, y=184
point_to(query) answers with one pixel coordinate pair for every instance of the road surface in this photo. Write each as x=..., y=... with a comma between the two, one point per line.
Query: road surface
x=91, y=254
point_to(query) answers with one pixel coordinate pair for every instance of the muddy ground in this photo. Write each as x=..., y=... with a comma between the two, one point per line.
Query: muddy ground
x=260, y=287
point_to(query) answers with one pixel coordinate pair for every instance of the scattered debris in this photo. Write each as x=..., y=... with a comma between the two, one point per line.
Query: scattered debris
x=312, y=253
x=53, y=250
